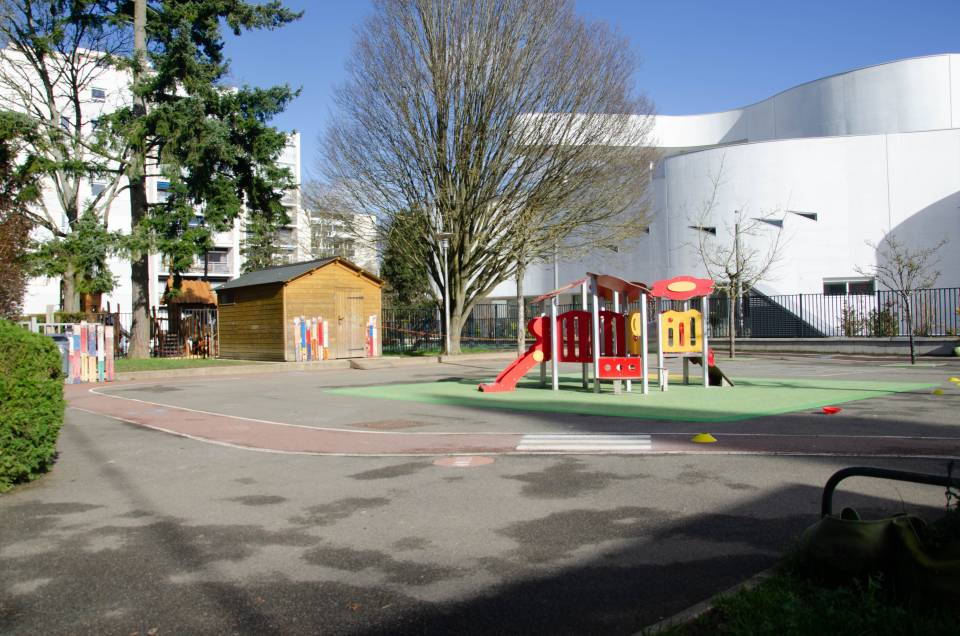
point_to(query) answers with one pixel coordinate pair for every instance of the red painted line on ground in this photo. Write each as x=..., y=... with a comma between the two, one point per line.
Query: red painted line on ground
x=279, y=437
x=292, y=438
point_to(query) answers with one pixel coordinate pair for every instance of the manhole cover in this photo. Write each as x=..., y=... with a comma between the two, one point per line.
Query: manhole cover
x=388, y=425
x=463, y=461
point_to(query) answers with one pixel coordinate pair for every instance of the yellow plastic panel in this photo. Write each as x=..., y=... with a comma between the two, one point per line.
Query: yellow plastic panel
x=681, y=331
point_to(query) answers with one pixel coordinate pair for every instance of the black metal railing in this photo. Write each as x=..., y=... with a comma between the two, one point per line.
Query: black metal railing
x=880, y=315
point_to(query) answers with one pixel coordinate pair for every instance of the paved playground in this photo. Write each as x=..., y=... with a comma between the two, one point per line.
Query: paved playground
x=572, y=521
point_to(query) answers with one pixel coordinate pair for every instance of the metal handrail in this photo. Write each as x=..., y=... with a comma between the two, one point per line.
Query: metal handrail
x=826, y=503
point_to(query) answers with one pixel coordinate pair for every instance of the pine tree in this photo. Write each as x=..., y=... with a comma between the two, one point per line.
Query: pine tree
x=212, y=143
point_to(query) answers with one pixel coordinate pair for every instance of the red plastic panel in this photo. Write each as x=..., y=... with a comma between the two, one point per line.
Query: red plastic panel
x=620, y=368
x=682, y=288
x=575, y=336
x=613, y=324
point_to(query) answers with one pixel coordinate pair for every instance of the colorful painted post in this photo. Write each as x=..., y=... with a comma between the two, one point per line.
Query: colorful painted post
x=84, y=367
x=109, y=338
x=74, y=354
x=372, y=336
x=326, y=340
x=101, y=355
x=296, y=339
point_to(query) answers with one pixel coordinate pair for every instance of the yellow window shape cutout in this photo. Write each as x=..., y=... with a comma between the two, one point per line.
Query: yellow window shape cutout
x=681, y=331
x=634, y=332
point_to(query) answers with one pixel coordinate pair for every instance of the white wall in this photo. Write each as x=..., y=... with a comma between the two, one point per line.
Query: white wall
x=870, y=151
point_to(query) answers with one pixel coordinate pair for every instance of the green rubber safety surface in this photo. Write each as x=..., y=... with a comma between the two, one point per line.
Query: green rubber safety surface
x=686, y=403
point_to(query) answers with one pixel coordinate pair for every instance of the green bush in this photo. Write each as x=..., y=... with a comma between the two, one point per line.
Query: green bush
x=31, y=403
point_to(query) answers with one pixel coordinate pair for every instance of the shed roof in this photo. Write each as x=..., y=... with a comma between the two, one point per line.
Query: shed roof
x=191, y=292
x=287, y=273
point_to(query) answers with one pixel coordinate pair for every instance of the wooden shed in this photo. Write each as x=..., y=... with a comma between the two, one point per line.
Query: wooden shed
x=257, y=310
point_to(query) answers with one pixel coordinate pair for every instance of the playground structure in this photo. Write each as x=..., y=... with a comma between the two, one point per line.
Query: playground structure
x=613, y=342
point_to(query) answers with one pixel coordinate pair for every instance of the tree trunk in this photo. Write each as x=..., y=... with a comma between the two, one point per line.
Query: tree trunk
x=139, y=265
x=71, y=297
x=456, y=326
x=732, y=326
x=521, y=318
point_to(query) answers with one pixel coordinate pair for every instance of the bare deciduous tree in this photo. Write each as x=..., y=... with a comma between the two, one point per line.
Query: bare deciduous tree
x=730, y=254
x=904, y=271
x=510, y=124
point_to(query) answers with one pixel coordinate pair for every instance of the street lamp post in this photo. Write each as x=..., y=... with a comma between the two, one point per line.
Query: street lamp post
x=444, y=245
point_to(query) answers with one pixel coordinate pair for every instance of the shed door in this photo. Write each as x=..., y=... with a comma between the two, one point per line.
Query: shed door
x=350, y=336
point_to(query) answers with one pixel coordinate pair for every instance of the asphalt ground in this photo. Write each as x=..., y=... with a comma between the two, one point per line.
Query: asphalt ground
x=300, y=398
x=137, y=531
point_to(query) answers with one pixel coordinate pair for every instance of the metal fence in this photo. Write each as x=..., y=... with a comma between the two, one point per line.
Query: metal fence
x=882, y=314
x=179, y=333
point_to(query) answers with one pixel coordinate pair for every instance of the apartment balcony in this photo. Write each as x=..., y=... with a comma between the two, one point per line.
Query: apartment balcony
x=214, y=268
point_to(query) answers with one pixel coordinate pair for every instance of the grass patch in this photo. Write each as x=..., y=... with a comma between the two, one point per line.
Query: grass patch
x=788, y=604
x=124, y=365
x=750, y=398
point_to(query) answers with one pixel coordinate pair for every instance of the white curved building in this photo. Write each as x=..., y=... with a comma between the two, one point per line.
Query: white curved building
x=869, y=152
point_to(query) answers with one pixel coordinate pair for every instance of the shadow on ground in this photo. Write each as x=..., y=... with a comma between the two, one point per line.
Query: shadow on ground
x=143, y=570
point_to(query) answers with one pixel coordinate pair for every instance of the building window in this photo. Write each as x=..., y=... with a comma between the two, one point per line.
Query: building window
x=98, y=94
x=96, y=188
x=95, y=124
x=860, y=288
x=163, y=190
x=856, y=287
x=65, y=123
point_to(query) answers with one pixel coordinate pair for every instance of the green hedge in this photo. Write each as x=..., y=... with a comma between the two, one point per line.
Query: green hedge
x=31, y=403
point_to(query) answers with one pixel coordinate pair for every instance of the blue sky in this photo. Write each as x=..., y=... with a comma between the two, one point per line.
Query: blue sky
x=698, y=56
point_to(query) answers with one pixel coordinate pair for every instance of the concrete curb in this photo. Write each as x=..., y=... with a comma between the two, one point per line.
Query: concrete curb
x=392, y=362
x=240, y=369
x=477, y=357
x=369, y=364
x=695, y=611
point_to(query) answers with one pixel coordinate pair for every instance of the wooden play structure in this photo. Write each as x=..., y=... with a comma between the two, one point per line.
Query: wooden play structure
x=611, y=342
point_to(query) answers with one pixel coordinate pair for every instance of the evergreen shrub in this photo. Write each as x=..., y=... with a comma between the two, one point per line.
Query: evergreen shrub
x=31, y=404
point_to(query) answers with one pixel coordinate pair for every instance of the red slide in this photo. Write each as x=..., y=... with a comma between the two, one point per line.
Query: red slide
x=508, y=378
x=716, y=376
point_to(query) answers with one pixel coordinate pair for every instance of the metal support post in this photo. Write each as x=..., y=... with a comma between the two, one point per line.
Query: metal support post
x=617, y=385
x=663, y=377
x=644, y=364
x=595, y=330
x=705, y=324
x=554, y=346
x=543, y=364
x=583, y=306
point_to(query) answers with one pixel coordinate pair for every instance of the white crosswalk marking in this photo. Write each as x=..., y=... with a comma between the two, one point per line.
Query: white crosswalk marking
x=557, y=443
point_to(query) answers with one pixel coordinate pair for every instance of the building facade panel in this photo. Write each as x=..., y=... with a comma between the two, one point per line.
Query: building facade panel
x=871, y=152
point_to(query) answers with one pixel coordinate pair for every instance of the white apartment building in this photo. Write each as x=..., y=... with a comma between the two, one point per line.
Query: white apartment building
x=108, y=90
